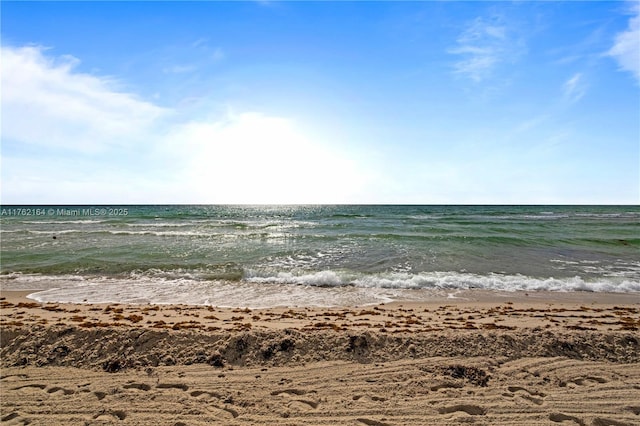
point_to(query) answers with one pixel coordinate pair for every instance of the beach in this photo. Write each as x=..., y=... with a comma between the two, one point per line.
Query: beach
x=311, y=315
x=481, y=358
x=289, y=213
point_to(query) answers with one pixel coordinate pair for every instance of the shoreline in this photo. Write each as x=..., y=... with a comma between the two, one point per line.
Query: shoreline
x=541, y=358
x=412, y=296
x=477, y=309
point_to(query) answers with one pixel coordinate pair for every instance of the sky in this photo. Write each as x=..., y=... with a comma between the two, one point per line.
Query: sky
x=269, y=102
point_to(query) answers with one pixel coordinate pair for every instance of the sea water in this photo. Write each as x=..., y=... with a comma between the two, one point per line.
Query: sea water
x=261, y=256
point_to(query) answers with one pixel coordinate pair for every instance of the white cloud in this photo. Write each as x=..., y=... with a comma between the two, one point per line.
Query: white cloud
x=626, y=48
x=46, y=103
x=574, y=88
x=483, y=46
x=69, y=137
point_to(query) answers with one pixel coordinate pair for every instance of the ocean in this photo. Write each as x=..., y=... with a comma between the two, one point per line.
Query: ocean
x=265, y=256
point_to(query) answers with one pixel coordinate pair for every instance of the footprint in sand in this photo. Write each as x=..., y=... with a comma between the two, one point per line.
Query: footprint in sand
x=180, y=386
x=289, y=392
x=446, y=385
x=515, y=389
x=145, y=387
x=369, y=422
x=224, y=412
x=634, y=410
x=302, y=404
x=32, y=386
x=589, y=380
x=138, y=386
x=13, y=377
x=60, y=391
x=231, y=411
x=111, y=416
x=559, y=418
x=205, y=394
x=367, y=398
x=472, y=410
x=527, y=394
x=54, y=390
x=598, y=421
x=14, y=419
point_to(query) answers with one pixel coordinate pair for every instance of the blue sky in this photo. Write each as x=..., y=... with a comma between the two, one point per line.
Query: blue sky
x=321, y=102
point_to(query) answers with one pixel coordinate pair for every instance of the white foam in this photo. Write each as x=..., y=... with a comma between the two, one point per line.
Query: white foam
x=159, y=224
x=320, y=288
x=218, y=293
x=163, y=233
x=447, y=280
x=321, y=279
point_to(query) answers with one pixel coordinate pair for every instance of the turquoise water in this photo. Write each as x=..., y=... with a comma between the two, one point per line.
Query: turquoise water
x=285, y=255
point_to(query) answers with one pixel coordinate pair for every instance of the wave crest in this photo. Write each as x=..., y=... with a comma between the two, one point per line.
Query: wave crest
x=445, y=280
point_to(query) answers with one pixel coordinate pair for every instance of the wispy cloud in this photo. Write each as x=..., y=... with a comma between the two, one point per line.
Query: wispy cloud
x=202, y=41
x=179, y=69
x=626, y=48
x=45, y=102
x=482, y=46
x=218, y=54
x=213, y=53
x=574, y=88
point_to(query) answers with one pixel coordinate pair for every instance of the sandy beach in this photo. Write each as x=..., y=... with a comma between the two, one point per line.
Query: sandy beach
x=481, y=358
